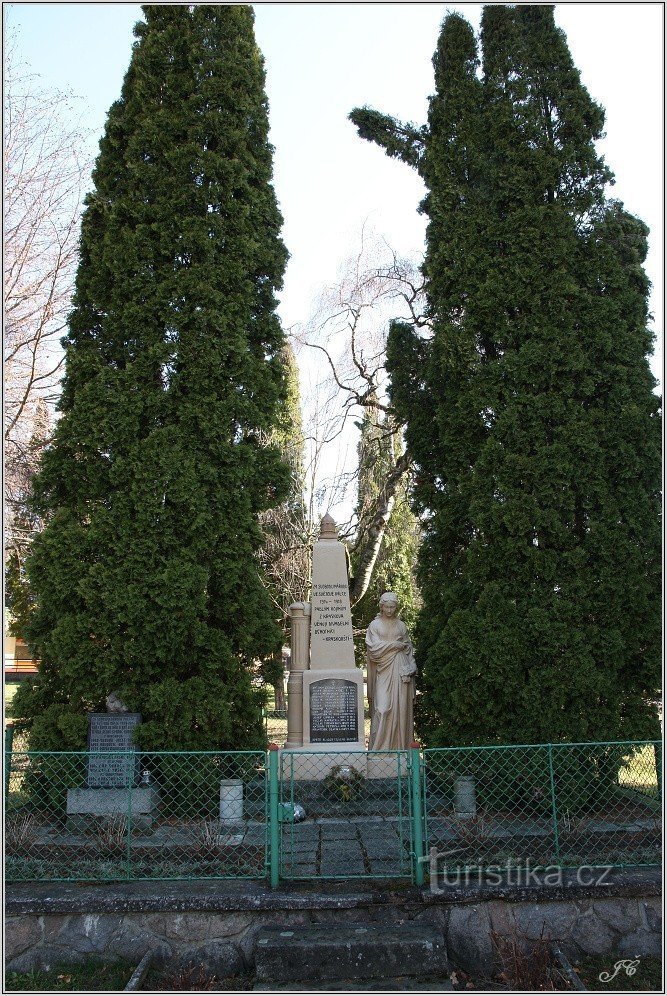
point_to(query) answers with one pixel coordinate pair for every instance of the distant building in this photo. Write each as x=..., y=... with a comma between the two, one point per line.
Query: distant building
x=19, y=662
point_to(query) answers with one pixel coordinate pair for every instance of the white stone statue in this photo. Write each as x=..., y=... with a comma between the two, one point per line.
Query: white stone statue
x=391, y=678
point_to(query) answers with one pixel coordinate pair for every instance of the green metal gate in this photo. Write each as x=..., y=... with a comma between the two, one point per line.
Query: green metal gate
x=357, y=815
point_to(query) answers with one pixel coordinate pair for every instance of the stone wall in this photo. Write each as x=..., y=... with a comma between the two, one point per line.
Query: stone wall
x=214, y=924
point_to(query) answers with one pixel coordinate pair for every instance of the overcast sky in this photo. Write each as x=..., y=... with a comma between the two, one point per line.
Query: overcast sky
x=324, y=59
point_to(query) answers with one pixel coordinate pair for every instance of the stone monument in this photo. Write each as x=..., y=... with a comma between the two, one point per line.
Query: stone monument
x=113, y=787
x=325, y=705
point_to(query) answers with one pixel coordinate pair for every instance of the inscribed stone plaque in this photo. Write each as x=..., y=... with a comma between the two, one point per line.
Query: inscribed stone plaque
x=333, y=711
x=112, y=732
x=331, y=642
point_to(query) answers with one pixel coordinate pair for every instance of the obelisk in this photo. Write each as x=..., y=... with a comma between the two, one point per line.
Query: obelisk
x=330, y=688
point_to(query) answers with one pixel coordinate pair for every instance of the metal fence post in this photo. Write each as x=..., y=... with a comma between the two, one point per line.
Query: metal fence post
x=554, y=810
x=9, y=741
x=274, y=825
x=128, y=826
x=417, y=814
x=657, y=757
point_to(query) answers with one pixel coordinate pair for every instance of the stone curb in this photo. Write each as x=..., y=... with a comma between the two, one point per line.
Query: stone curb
x=219, y=896
x=620, y=882
x=176, y=897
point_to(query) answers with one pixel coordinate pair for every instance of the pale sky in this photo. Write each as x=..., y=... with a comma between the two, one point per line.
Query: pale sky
x=324, y=59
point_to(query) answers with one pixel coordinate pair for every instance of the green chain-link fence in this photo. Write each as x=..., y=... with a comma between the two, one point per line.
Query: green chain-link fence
x=328, y=815
x=564, y=805
x=170, y=815
x=275, y=725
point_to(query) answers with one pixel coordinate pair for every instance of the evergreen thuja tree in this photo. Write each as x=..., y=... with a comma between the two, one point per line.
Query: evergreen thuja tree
x=530, y=410
x=285, y=555
x=146, y=577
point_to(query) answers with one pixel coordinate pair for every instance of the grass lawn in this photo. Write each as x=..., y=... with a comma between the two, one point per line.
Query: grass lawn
x=91, y=976
x=639, y=774
x=193, y=978
x=95, y=976
x=10, y=692
x=646, y=977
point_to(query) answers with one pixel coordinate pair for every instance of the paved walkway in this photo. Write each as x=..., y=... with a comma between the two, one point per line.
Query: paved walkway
x=377, y=846
x=346, y=848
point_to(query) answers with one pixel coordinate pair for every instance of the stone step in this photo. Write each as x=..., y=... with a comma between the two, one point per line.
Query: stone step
x=401, y=984
x=340, y=952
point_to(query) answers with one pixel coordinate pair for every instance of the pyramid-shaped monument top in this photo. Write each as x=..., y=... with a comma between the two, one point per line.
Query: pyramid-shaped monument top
x=328, y=528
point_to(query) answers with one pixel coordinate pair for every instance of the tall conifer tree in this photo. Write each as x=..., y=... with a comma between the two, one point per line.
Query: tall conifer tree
x=531, y=413
x=146, y=576
x=285, y=556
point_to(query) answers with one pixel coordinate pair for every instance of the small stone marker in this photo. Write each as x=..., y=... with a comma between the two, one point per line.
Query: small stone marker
x=113, y=790
x=112, y=732
x=231, y=801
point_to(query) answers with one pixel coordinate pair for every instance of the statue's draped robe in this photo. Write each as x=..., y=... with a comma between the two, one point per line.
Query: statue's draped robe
x=390, y=697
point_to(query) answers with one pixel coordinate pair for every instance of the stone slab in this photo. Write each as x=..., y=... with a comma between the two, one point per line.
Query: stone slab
x=340, y=830
x=398, y=866
x=86, y=804
x=342, y=849
x=302, y=871
x=109, y=733
x=385, y=849
x=333, y=710
x=294, y=832
x=357, y=951
x=348, y=868
x=297, y=857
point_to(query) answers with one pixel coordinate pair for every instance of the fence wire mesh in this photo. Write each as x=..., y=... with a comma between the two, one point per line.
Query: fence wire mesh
x=113, y=816
x=95, y=816
x=275, y=726
x=345, y=814
x=19, y=737
x=562, y=805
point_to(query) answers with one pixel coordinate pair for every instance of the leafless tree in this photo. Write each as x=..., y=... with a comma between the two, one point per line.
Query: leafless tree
x=45, y=162
x=348, y=332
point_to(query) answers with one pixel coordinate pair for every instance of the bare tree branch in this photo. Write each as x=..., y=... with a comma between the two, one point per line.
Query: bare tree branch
x=348, y=333
x=45, y=167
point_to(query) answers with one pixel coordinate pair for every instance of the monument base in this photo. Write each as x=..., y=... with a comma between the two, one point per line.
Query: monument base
x=89, y=806
x=315, y=762
x=333, y=709
x=387, y=765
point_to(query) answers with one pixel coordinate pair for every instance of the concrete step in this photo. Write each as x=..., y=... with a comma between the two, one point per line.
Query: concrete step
x=334, y=952
x=401, y=984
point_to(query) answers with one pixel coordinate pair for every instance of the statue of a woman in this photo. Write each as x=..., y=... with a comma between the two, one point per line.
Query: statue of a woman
x=391, y=678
